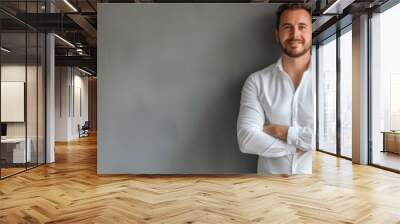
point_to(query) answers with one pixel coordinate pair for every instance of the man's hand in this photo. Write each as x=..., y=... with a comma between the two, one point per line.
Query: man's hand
x=277, y=131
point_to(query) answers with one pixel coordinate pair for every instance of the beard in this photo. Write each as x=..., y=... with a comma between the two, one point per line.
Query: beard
x=292, y=52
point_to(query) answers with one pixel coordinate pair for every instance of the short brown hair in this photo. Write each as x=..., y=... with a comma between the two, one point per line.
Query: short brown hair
x=290, y=6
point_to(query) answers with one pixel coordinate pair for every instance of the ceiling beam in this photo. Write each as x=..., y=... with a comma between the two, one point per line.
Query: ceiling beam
x=86, y=26
x=83, y=61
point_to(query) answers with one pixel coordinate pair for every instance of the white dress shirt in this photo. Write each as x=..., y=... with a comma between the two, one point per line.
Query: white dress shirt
x=269, y=97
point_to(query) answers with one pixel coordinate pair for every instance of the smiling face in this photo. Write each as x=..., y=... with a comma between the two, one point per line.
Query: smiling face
x=294, y=32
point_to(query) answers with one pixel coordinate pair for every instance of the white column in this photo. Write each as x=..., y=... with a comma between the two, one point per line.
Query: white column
x=50, y=92
x=50, y=79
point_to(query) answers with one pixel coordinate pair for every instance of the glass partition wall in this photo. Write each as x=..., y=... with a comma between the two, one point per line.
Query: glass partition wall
x=22, y=99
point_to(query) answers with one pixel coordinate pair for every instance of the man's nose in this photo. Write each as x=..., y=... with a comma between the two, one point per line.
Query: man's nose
x=295, y=33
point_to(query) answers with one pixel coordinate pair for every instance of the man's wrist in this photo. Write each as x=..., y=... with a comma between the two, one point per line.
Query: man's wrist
x=277, y=131
x=285, y=132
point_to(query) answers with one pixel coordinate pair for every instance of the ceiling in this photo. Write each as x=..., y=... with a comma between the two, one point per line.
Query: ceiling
x=76, y=22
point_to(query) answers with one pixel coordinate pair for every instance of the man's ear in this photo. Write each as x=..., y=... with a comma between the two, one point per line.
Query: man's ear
x=277, y=35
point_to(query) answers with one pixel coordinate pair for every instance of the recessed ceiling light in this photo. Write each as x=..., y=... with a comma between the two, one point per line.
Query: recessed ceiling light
x=64, y=40
x=84, y=71
x=70, y=5
x=5, y=50
x=337, y=7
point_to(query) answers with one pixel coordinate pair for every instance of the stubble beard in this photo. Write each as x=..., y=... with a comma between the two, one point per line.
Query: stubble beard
x=294, y=54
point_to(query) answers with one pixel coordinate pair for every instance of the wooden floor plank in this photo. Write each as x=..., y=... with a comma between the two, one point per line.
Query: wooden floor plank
x=70, y=191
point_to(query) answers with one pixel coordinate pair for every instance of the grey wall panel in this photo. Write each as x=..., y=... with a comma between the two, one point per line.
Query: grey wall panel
x=169, y=78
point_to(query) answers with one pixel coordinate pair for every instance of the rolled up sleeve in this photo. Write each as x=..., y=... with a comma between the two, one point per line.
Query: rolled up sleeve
x=301, y=137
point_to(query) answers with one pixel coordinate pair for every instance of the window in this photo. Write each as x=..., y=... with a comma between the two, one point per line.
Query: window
x=327, y=96
x=346, y=93
x=385, y=89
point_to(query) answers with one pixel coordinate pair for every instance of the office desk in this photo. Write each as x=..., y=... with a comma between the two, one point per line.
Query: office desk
x=13, y=150
x=391, y=141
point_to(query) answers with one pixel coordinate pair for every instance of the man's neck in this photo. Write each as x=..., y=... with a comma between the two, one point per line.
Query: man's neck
x=295, y=67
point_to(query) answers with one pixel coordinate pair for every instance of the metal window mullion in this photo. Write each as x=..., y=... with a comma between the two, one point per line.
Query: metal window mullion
x=73, y=93
x=338, y=92
x=37, y=92
x=69, y=93
x=26, y=87
x=44, y=78
x=0, y=95
x=369, y=100
x=45, y=92
x=317, y=96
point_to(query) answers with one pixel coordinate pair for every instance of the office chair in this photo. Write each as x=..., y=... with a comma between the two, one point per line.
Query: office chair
x=84, y=130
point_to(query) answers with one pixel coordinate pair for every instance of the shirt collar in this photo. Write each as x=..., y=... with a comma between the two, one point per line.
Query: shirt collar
x=280, y=67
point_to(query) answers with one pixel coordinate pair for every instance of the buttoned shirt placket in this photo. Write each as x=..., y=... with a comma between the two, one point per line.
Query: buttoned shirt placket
x=294, y=111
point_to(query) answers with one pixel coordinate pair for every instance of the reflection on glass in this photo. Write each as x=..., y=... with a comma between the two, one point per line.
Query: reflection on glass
x=385, y=84
x=13, y=86
x=327, y=96
x=346, y=94
x=22, y=90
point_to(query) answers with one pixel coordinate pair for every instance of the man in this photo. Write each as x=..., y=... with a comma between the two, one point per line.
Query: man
x=276, y=118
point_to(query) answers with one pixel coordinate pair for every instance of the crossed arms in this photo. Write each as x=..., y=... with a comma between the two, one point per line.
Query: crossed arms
x=271, y=140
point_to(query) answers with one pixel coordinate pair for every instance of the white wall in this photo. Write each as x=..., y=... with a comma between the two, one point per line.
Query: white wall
x=70, y=83
x=16, y=73
x=62, y=81
x=81, y=89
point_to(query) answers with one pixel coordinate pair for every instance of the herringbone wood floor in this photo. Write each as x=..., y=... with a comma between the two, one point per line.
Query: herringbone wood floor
x=69, y=191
